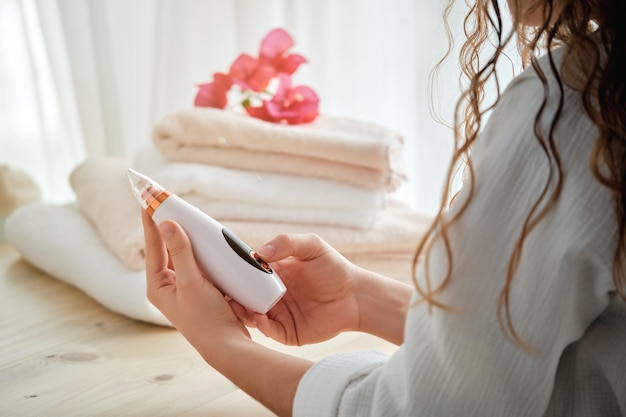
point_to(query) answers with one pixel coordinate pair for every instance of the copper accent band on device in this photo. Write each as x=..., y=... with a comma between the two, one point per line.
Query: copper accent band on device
x=154, y=201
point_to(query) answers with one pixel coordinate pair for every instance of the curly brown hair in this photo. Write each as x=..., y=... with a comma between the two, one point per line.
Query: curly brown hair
x=594, y=65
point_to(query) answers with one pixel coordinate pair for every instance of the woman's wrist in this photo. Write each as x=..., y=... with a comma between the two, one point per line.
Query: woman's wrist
x=269, y=376
x=382, y=304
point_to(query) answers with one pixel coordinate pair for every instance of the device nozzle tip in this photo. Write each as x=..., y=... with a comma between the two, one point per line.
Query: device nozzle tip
x=142, y=187
x=135, y=177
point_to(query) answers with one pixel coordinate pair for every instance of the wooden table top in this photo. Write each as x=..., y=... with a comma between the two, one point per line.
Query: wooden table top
x=63, y=354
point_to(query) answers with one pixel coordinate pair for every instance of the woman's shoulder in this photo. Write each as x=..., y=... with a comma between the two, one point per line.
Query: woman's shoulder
x=538, y=100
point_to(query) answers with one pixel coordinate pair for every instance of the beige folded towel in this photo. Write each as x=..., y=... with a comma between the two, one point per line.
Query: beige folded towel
x=16, y=189
x=107, y=202
x=398, y=229
x=105, y=198
x=340, y=149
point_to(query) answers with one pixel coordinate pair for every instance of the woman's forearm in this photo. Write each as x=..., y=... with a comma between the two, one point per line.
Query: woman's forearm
x=383, y=305
x=272, y=377
x=268, y=376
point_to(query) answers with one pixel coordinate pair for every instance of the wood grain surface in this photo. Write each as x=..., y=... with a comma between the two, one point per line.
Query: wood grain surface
x=62, y=354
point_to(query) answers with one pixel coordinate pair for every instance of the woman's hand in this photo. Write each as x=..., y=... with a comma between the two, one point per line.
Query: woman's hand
x=327, y=295
x=204, y=316
x=177, y=287
x=321, y=292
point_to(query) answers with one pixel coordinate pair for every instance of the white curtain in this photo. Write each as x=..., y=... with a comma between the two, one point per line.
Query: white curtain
x=39, y=126
x=82, y=78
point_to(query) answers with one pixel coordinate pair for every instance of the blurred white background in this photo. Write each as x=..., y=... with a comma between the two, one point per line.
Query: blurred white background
x=82, y=78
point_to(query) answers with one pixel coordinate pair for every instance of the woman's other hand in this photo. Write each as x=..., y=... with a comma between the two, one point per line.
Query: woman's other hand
x=321, y=298
x=327, y=295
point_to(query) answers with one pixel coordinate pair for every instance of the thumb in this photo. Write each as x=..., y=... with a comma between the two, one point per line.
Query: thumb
x=302, y=246
x=179, y=248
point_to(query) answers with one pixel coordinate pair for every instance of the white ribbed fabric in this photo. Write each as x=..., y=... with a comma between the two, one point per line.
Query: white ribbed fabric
x=459, y=363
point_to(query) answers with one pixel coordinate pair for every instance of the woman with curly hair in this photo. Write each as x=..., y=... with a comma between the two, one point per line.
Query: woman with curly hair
x=517, y=304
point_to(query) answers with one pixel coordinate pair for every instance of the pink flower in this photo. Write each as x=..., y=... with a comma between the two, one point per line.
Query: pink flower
x=255, y=76
x=289, y=105
x=250, y=73
x=214, y=94
x=274, y=49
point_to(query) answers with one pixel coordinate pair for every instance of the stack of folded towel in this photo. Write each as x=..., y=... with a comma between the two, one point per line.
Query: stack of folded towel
x=333, y=177
x=334, y=148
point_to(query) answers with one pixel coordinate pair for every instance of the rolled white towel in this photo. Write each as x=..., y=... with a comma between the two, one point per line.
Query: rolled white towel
x=60, y=241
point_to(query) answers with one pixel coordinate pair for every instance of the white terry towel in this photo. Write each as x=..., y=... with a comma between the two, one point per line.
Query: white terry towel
x=59, y=240
x=264, y=188
x=107, y=202
x=344, y=150
x=104, y=196
x=253, y=212
x=116, y=214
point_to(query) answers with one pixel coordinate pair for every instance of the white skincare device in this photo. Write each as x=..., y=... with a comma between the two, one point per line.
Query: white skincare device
x=232, y=265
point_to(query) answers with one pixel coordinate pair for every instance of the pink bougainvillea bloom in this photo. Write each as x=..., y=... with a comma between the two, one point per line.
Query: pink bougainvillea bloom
x=253, y=75
x=250, y=73
x=258, y=113
x=274, y=49
x=214, y=94
x=289, y=105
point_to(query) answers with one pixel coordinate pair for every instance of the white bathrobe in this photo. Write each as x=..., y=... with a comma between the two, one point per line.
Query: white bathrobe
x=460, y=363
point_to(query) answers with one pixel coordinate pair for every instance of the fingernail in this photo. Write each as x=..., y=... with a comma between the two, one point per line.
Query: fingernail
x=266, y=251
x=167, y=229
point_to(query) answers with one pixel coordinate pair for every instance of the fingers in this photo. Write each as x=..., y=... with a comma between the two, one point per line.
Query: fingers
x=262, y=322
x=158, y=274
x=180, y=251
x=270, y=328
x=302, y=246
x=156, y=251
x=243, y=314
